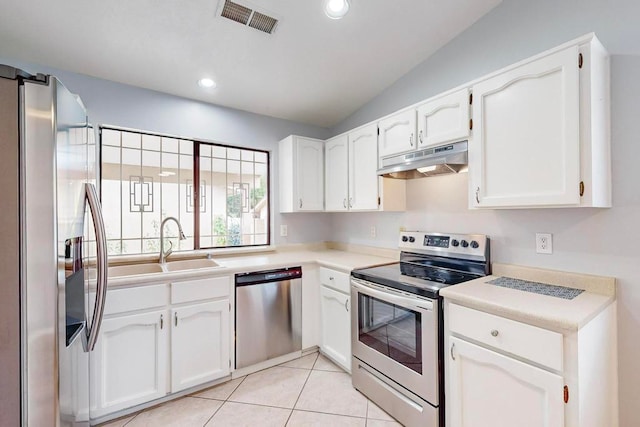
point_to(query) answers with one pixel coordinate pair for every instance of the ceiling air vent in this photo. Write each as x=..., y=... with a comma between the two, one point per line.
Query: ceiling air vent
x=248, y=16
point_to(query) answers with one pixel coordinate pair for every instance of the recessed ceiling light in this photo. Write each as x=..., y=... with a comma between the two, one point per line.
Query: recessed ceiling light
x=336, y=9
x=206, y=83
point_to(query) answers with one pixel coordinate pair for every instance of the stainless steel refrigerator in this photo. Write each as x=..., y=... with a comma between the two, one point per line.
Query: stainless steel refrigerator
x=53, y=253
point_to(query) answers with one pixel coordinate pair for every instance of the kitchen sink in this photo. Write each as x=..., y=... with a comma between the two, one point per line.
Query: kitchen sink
x=134, y=269
x=190, y=264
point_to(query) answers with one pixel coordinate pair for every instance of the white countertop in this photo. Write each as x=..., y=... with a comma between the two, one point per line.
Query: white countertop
x=540, y=310
x=335, y=259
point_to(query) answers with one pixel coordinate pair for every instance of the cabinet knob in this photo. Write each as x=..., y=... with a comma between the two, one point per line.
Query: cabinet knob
x=161, y=321
x=411, y=139
x=478, y=195
x=330, y=278
x=420, y=137
x=350, y=202
x=494, y=333
x=346, y=304
x=344, y=202
x=300, y=203
x=176, y=318
x=451, y=351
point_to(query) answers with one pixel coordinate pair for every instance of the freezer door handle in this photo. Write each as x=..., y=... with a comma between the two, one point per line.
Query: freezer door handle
x=101, y=262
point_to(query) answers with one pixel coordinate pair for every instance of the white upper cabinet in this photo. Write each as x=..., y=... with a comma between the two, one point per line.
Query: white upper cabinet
x=444, y=119
x=363, y=166
x=351, y=178
x=397, y=133
x=337, y=173
x=301, y=177
x=540, y=136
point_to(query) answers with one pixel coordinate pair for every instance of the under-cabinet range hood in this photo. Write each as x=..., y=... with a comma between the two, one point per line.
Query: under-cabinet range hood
x=444, y=159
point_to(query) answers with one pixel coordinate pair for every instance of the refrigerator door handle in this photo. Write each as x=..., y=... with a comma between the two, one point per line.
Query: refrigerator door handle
x=101, y=261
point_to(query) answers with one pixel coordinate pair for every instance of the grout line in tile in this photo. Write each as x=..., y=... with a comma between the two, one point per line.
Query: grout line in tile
x=330, y=413
x=257, y=404
x=214, y=413
x=299, y=394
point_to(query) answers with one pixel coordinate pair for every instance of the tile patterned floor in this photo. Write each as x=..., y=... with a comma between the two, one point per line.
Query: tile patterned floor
x=310, y=391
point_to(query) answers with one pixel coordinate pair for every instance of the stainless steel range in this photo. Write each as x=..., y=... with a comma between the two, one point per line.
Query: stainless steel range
x=396, y=324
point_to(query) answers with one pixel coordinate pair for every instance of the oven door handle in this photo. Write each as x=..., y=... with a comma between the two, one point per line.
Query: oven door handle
x=407, y=302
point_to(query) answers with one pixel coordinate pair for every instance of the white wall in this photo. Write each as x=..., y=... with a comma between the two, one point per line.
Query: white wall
x=594, y=241
x=127, y=106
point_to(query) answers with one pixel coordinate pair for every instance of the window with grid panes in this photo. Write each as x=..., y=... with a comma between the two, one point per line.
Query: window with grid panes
x=146, y=178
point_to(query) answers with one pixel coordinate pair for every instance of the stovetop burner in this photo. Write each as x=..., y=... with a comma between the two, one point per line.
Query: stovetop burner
x=432, y=261
x=434, y=274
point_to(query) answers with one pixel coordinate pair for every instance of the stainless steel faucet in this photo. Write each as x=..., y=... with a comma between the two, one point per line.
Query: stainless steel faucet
x=164, y=255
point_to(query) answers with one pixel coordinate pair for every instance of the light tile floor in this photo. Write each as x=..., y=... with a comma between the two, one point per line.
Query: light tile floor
x=310, y=391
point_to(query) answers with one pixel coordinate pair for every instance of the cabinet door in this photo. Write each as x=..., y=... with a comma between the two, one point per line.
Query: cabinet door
x=310, y=174
x=489, y=389
x=336, y=173
x=525, y=146
x=443, y=120
x=129, y=363
x=363, y=166
x=199, y=344
x=397, y=133
x=336, y=326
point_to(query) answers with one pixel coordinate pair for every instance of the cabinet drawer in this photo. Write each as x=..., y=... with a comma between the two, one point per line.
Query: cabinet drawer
x=335, y=280
x=526, y=341
x=197, y=290
x=134, y=299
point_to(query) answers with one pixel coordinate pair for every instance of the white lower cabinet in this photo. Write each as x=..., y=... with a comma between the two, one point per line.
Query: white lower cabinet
x=129, y=363
x=336, y=318
x=491, y=389
x=199, y=344
x=501, y=372
x=160, y=339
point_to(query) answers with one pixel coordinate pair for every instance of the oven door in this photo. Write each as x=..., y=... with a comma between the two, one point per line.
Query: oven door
x=396, y=333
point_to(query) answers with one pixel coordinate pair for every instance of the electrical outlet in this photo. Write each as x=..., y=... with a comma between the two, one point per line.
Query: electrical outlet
x=544, y=243
x=373, y=231
x=283, y=230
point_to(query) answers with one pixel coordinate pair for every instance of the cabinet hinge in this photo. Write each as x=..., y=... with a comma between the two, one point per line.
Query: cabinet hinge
x=470, y=99
x=580, y=60
x=566, y=394
x=470, y=124
x=581, y=188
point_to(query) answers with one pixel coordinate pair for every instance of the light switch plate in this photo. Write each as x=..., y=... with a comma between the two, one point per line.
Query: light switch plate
x=283, y=230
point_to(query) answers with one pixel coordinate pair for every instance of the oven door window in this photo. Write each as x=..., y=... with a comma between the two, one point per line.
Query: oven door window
x=391, y=330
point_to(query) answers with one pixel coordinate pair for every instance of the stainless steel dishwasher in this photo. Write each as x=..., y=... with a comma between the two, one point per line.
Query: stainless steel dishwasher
x=268, y=315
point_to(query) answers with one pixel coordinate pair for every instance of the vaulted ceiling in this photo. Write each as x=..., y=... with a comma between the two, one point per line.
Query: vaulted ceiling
x=312, y=69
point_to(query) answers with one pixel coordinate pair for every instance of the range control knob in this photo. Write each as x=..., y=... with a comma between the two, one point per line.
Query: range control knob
x=405, y=238
x=455, y=243
x=464, y=243
x=412, y=239
x=474, y=244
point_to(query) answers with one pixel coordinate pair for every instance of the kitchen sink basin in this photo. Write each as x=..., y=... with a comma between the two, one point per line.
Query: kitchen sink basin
x=190, y=264
x=134, y=269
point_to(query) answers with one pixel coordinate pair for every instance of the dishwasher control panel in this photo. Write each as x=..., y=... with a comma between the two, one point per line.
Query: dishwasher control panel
x=281, y=274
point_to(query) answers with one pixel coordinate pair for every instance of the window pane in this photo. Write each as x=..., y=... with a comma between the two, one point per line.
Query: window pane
x=131, y=140
x=146, y=178
x=110, y=137
x=237, y=188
